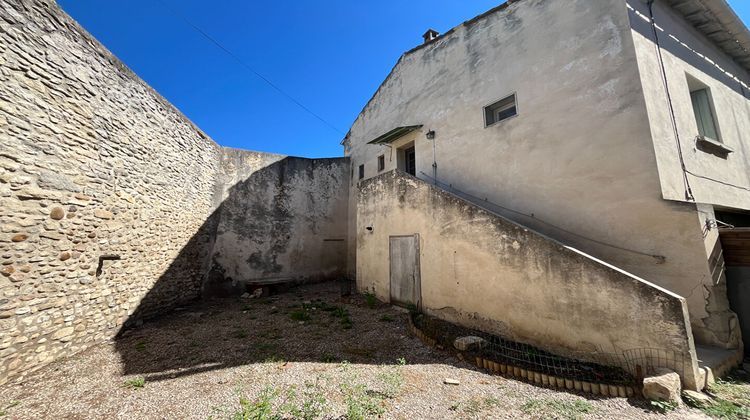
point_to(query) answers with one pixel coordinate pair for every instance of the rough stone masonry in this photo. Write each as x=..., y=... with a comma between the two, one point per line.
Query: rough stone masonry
x=110, y=199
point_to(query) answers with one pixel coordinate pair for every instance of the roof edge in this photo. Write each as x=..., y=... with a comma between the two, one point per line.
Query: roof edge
x=732, y=37
x=496, y=9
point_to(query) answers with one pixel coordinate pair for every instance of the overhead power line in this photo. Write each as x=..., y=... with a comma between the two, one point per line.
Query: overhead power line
x=247, y=66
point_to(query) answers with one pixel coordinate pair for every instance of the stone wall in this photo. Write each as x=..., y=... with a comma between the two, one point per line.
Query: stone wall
x=103, y=184
x=280, y=219
x=110, y=199
x=486, y=272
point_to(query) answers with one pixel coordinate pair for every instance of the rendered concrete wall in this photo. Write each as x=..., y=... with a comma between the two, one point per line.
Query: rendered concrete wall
x=687, y=53
x=578, y=161
x=486, y=272
x=93, y=163
x=285, y=219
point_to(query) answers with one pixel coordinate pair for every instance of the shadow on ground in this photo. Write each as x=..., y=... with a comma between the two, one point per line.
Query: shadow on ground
x=310, y=323
x=224, y=357
x=270, y=208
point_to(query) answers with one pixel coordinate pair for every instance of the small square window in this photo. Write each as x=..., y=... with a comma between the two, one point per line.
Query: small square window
x=381, y=163
x=361, y=171
x=500, y=110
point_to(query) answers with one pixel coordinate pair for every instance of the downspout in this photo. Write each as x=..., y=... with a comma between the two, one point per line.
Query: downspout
x=430, y=135
x=434, y=161
x=688, y=191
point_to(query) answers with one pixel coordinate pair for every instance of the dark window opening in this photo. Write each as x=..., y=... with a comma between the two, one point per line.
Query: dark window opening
x=500, y=110
x=361, y=171
x=410, y=161
x=381, y=163
x=734, y=218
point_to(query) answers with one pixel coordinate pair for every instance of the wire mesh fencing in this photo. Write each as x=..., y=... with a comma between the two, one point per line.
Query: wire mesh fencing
x=627, y=368
x=606, y=370
x=643, y=362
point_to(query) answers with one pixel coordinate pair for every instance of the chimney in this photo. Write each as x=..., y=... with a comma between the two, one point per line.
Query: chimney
x=430, y=35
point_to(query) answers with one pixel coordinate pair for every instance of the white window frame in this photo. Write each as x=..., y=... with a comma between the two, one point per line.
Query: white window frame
x=514, y=95
x=695, y=85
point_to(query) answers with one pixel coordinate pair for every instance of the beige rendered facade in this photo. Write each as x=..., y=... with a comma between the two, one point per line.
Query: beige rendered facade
x=486, y=272
x=590, y=157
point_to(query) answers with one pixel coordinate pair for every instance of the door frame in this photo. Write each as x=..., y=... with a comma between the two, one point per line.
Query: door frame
x=401, y=156
x=417, y=270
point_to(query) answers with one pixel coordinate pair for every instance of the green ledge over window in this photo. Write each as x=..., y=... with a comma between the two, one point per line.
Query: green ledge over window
x=395, y=134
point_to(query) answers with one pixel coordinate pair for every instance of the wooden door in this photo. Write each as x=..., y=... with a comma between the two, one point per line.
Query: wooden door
x=404, y=262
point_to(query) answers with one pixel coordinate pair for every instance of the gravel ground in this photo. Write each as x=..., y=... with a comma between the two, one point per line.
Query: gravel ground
x=304, y=352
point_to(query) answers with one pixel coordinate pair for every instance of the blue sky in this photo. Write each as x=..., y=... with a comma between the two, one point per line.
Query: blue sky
x=331, y=55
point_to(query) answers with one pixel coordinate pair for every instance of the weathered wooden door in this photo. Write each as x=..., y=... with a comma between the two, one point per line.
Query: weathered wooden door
x=404, y=260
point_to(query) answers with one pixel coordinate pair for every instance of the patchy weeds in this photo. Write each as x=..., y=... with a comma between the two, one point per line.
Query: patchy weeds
x=231, y=358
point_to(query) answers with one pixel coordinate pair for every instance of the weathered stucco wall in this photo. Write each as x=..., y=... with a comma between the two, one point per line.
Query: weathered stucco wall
x=286, y=219
x=486, y=272
x=577, y=163
x=687, y=53
x=111, y=200
x=93, y=164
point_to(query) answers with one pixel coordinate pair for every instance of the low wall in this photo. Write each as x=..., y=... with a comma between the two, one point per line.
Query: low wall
x=485, y=272
x=285, y=219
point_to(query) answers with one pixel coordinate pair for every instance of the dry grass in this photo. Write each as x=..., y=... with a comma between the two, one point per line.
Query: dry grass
x=304, y=354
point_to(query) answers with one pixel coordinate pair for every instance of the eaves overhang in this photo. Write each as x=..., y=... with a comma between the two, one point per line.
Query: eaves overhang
x=394, y=134
x=718, y=22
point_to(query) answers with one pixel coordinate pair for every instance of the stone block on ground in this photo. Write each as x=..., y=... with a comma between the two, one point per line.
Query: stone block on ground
x=696, y=399
x=665, y=385
x=469, y=343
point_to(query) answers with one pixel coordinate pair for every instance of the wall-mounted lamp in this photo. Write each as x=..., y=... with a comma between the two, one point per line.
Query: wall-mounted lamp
x=430, y=135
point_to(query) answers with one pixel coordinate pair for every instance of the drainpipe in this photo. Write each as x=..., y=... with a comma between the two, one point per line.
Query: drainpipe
x=431, y=136
x=688, y=191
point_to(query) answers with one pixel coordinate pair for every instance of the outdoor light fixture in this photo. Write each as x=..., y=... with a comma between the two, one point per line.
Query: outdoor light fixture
x=430, y=135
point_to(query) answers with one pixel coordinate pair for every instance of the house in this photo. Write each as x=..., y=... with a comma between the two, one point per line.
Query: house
x=617, y=130
x=559, y=173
